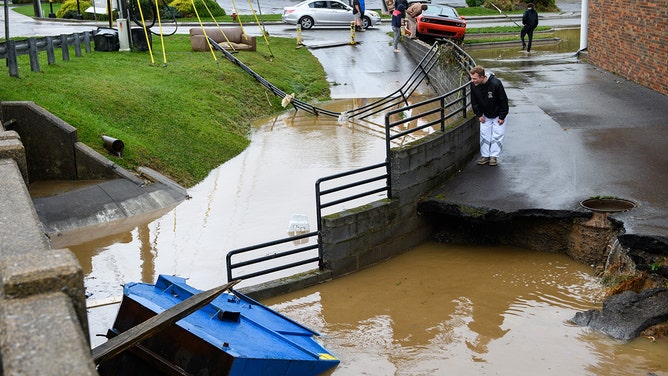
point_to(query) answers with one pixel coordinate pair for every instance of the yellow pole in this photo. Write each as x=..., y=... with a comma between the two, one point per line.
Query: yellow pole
x=203, y=31
x=261, y=28
x=143, y=22
x=162, y=39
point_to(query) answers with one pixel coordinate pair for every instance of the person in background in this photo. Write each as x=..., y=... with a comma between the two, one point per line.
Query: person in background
x=405, y=4
x=490, y=104
x=396, y=25
x=362, y=9
x=530, y=22
x=412, y=12
x=357, y=15
x=389, y=6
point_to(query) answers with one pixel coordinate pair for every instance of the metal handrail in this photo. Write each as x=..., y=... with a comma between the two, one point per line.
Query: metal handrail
x=258, y=260
x=453, y=104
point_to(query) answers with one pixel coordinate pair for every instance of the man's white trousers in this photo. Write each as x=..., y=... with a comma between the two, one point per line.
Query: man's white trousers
x=491, y=137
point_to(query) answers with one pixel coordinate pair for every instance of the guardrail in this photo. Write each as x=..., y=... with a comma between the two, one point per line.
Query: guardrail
x=11, y=49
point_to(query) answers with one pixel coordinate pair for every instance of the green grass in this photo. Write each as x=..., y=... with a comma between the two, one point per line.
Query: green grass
x=501, y=29
x=184, y=118
x=509, y=38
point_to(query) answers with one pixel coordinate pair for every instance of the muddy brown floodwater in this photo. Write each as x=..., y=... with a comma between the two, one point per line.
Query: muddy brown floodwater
x=464, y=310
x=437, y=309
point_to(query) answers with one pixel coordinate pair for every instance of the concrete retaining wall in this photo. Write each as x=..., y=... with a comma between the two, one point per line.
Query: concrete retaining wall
x=42, y=301
x=51, y=145
x=43, y=317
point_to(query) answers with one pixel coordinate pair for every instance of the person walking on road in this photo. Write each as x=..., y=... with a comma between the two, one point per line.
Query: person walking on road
x=357, y=15
x=396, y=25
x=412, y=12
x=490, y=104
x=530, y=22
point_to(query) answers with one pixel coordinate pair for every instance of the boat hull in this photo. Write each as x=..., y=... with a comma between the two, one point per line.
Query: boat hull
x=234, y=335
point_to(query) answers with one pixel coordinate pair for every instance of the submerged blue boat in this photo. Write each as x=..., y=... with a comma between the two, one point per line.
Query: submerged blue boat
x=233, y=335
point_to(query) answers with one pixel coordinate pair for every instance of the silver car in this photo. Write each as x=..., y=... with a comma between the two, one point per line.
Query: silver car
x=325, y=13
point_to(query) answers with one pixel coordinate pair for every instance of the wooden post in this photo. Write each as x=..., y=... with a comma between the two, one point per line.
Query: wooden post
x=77, y=45
x=50, y=55
x=12, y=63
x=64, y=47
x=86, y=38
x=33, y=53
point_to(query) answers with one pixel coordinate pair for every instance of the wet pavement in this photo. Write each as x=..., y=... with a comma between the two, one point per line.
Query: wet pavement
x=574, y=132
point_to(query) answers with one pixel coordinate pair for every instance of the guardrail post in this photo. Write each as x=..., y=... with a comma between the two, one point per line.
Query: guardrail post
x=32, y=52
x=86, y=38
x=12, y=63
x=64, y=47
x=50, y=55
x=77, y=45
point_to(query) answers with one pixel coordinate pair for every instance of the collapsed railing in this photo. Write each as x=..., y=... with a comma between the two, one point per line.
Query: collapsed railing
x=419, y=74
x=11, y=49
x=443, y=109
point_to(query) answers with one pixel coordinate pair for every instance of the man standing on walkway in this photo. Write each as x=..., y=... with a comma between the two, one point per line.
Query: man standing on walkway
x=490, y=104
x=412, y=12
x=530, y=22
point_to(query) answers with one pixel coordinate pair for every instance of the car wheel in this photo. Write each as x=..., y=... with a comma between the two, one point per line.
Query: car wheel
x=366, y=22
x=306, y=22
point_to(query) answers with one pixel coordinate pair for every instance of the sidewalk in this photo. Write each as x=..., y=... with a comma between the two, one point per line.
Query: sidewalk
x=574, y=132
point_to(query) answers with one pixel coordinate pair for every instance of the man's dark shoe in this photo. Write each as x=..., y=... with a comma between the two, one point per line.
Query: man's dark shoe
x=483, y=160
x=492, y=161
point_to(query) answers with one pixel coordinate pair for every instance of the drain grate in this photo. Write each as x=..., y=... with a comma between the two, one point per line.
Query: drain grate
x=607, y=204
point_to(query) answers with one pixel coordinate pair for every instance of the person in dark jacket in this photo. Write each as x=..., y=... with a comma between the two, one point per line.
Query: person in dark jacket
x=490, y=104
x=396, y=25
x=530, y=22
x=404, y=3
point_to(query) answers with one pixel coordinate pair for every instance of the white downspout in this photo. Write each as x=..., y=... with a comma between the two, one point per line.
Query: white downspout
x=584, y=22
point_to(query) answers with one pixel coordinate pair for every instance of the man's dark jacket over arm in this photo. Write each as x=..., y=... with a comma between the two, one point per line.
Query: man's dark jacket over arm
x=489, y=99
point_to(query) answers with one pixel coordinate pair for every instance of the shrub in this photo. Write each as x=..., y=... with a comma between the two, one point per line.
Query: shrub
x=185, y=7
x=69, y=9
x=474, y=3
x=169, y=12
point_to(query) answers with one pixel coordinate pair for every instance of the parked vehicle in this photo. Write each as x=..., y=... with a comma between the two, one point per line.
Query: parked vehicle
x=325, y=13
x=439, y=21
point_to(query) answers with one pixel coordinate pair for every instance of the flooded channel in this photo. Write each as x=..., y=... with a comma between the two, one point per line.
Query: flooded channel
x=460, y=310
x=437, y=309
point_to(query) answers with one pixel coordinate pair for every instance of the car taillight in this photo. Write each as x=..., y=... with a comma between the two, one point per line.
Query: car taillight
x=287, y=11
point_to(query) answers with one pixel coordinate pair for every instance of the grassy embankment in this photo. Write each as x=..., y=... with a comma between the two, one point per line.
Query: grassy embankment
x=182, y=118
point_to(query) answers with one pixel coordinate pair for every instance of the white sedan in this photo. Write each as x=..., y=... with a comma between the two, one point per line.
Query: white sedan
x=325, y=13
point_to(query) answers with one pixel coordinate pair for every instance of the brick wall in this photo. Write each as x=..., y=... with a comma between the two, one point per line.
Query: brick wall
x=630, y=39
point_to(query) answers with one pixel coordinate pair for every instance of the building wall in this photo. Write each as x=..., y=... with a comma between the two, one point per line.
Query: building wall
x=630, y=39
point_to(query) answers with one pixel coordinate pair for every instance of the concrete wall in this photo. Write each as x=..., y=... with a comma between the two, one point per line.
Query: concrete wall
x=43, y=317
x=42, y=300
x=358, y=238
x=630, y=39
x=52, y=150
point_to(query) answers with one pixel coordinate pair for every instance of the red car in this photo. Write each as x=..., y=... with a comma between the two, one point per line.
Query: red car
x=441, y=22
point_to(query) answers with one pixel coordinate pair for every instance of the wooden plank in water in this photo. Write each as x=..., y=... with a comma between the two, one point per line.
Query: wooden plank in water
x=132, y=336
